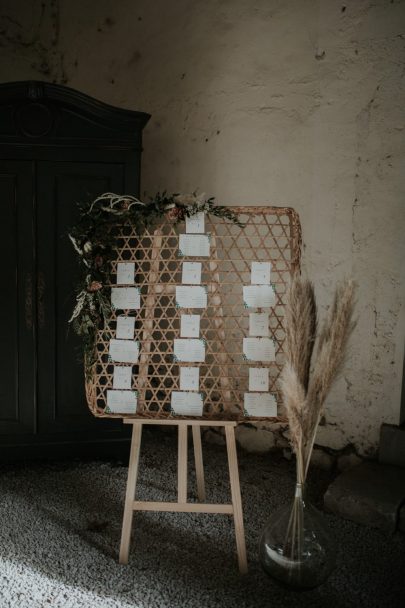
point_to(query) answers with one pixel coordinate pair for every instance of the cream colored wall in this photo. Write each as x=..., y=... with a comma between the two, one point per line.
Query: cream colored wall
x=285, y=102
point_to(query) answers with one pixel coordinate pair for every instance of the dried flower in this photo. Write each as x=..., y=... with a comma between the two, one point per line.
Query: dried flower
x=175, y=213
x=185, y=199
x=200, y=198
x=94, y=286
x=98, y=261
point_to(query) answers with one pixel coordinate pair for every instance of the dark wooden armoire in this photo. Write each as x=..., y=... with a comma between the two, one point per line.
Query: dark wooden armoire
x=57, y=147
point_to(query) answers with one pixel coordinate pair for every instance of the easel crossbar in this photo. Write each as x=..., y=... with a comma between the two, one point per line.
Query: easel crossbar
x=186, y=507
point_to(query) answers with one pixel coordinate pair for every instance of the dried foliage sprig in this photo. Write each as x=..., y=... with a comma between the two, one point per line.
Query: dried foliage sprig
x=95, y=239
x=304, y=392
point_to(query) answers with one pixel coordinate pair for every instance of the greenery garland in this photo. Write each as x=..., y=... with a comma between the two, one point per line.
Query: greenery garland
x=95, y=240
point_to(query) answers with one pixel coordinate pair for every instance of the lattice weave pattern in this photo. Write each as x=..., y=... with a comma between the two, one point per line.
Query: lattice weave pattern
x=269, y=234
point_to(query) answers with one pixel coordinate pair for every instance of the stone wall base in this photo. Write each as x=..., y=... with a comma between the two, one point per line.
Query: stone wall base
x=265, y=437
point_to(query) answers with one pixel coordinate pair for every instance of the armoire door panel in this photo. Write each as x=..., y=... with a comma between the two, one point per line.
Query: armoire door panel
x=57, y=147
x=61, y=397
x=17, y=299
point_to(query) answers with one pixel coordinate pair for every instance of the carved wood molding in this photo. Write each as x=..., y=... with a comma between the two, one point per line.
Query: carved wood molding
x=40, y=112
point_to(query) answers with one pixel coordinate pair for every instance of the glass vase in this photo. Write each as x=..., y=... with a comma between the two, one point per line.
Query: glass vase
x=295, y=547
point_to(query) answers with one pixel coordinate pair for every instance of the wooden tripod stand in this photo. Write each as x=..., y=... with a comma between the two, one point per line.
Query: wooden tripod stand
x=269, y=233
x=182, y=506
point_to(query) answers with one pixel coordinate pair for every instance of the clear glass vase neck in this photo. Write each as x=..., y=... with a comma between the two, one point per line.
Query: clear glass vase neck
x=300, y=490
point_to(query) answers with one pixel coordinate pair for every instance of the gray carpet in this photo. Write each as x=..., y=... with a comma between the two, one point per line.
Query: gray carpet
x=60, y=531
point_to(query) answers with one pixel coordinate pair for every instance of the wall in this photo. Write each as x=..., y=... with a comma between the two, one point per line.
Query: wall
x=286, y=102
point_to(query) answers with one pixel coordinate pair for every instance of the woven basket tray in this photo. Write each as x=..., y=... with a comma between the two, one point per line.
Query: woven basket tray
x=269, y=234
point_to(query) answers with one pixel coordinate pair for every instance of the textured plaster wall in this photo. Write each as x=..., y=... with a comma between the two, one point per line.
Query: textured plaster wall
x=286, y=102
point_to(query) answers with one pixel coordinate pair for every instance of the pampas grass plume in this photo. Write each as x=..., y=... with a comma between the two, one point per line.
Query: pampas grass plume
x=304, y=393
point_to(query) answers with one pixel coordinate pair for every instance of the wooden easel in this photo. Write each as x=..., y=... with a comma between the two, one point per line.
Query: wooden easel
x=182, y=506
x=270, y=233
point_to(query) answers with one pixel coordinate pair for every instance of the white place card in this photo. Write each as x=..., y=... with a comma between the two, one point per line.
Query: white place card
x=259, y=379
x=125, y=273
x=194, y=245
x=122, y=402
x=125, y=328
x=258, y=296
x=122, y=377
x=191, y=297
x=189, y=378
x=187, y=404
x=191, y=274
x=260, y=273
x=189, y=351
x=126, y=298
x=260, y=404
x=258, y=324
x=195, y=223
x=259, y=349
x=124, y=351
x=190, y=326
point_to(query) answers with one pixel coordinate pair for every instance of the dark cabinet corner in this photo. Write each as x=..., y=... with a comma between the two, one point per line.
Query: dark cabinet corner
x=57, y=147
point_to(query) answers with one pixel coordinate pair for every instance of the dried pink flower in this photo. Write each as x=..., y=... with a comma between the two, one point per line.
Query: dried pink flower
x=94, y=286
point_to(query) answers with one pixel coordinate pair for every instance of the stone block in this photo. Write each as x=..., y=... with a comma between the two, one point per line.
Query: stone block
x=331, y=437
x=252, y=439
x=348, y=461
x=369, y=494
x=392, y=445
x=275, y=427
x=281, y=442
x=322, y=460
x=287, y=453
x=401, y=519
x=212, y=436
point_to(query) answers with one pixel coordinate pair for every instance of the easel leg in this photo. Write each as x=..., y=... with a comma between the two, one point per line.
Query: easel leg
x=236, y=498
x=182, y=464
x=199, y=469
x=130, y=495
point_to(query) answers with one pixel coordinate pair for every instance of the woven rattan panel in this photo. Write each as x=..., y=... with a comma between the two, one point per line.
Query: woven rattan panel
x=269, y=234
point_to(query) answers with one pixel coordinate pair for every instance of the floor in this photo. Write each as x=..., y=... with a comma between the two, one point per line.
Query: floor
x=60, y=531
